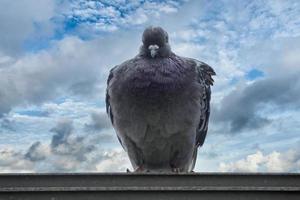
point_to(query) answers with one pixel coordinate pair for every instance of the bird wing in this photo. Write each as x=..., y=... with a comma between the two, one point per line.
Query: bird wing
x=205, y=73
x=107, y=100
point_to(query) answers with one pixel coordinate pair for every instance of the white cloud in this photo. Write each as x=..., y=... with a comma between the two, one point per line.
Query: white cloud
x=18, y=21
x=70, y=66
x=96, y=16
x=68, y=151
x=288, y=161
x=116, y=161
x=13, y=161
x=249, y=164
x=102, y=160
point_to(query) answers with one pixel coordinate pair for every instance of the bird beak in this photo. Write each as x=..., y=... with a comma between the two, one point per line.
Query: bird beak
x=153, y=50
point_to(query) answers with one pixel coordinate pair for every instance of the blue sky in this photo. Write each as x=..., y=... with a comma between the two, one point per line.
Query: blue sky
x=55, y=57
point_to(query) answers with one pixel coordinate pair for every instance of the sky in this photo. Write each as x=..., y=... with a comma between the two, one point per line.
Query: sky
x=55, y=56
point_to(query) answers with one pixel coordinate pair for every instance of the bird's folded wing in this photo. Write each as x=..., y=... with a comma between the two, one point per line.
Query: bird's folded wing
x=107, y=100
x=205, y=73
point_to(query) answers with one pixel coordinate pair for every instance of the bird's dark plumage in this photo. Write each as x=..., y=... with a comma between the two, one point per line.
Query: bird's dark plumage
x=159, y=105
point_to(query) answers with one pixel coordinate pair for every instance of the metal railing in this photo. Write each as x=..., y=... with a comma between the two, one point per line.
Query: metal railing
x=90, y=186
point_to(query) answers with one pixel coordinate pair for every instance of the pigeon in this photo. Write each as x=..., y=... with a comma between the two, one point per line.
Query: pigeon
x=159, y=105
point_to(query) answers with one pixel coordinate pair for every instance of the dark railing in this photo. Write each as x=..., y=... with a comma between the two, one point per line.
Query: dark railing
x=208, y=186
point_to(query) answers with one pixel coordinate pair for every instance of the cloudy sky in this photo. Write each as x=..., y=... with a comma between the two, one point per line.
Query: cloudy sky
x=55, y=56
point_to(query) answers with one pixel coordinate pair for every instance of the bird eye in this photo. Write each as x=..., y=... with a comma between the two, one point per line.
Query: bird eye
x=166, y=37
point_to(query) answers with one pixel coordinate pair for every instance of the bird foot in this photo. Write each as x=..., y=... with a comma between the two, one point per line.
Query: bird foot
x=139, y=169
x=176, y=170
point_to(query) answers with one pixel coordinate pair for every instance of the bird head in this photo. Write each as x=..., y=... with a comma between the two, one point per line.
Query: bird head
x=156, y=42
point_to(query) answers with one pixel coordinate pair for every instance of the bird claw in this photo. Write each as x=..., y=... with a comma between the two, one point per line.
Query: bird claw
x=176, y=170
x=139, y=169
